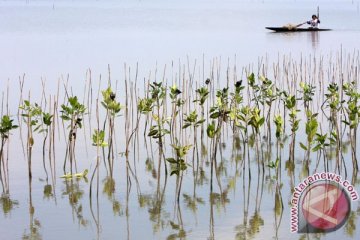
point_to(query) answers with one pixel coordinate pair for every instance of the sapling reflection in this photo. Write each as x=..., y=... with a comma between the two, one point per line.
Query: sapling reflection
x=178, y=164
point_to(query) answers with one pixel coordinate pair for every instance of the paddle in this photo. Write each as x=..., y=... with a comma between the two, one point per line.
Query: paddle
x=300, y=24
x=290, y=26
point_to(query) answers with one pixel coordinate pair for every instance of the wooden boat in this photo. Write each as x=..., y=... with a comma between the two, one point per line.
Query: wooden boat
x=296, y=29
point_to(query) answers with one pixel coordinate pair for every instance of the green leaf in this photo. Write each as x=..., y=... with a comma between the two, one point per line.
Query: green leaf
x=316, y=148
x=153, y=132
x=174, y=172
x=215, y=115
x=261, y=121
x=303, y=146
x=200, y=122
x=171, y=160
x=65, y=117
x=271, y=165
x=211, y=130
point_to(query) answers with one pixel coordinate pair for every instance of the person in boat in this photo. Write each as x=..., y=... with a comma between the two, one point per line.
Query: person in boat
x=314, y=22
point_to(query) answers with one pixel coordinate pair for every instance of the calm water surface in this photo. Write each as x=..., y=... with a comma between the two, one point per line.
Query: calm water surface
x=52, y=41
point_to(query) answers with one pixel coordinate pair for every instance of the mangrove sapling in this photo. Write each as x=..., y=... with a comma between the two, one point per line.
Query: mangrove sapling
x=353, y=116
x=244, y=116
x=98, y=140
x=256, y=121
x=203, y=94
x=212, y=132
x=192, y=120
x=311, y=127
x=72, y=112
x=267, y=95
x=279, y=122
x=6, y=125
x=254, y=87
x=264, y=93
x=176, y=104
x=307, y=91
x=37, y=121
x=44, y=128
x=290, y=104
x=332, y=101
x=112, y=110
x=235, y=101
x=145, y=106
x=158, y=94
x=32, y=115
x=320, y=145
x=220, y=112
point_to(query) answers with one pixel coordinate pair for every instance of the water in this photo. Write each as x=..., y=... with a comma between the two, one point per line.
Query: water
x=94, y=34
x=52, y=40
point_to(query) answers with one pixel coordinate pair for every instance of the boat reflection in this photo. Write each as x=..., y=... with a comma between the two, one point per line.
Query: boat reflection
x=314, y=38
